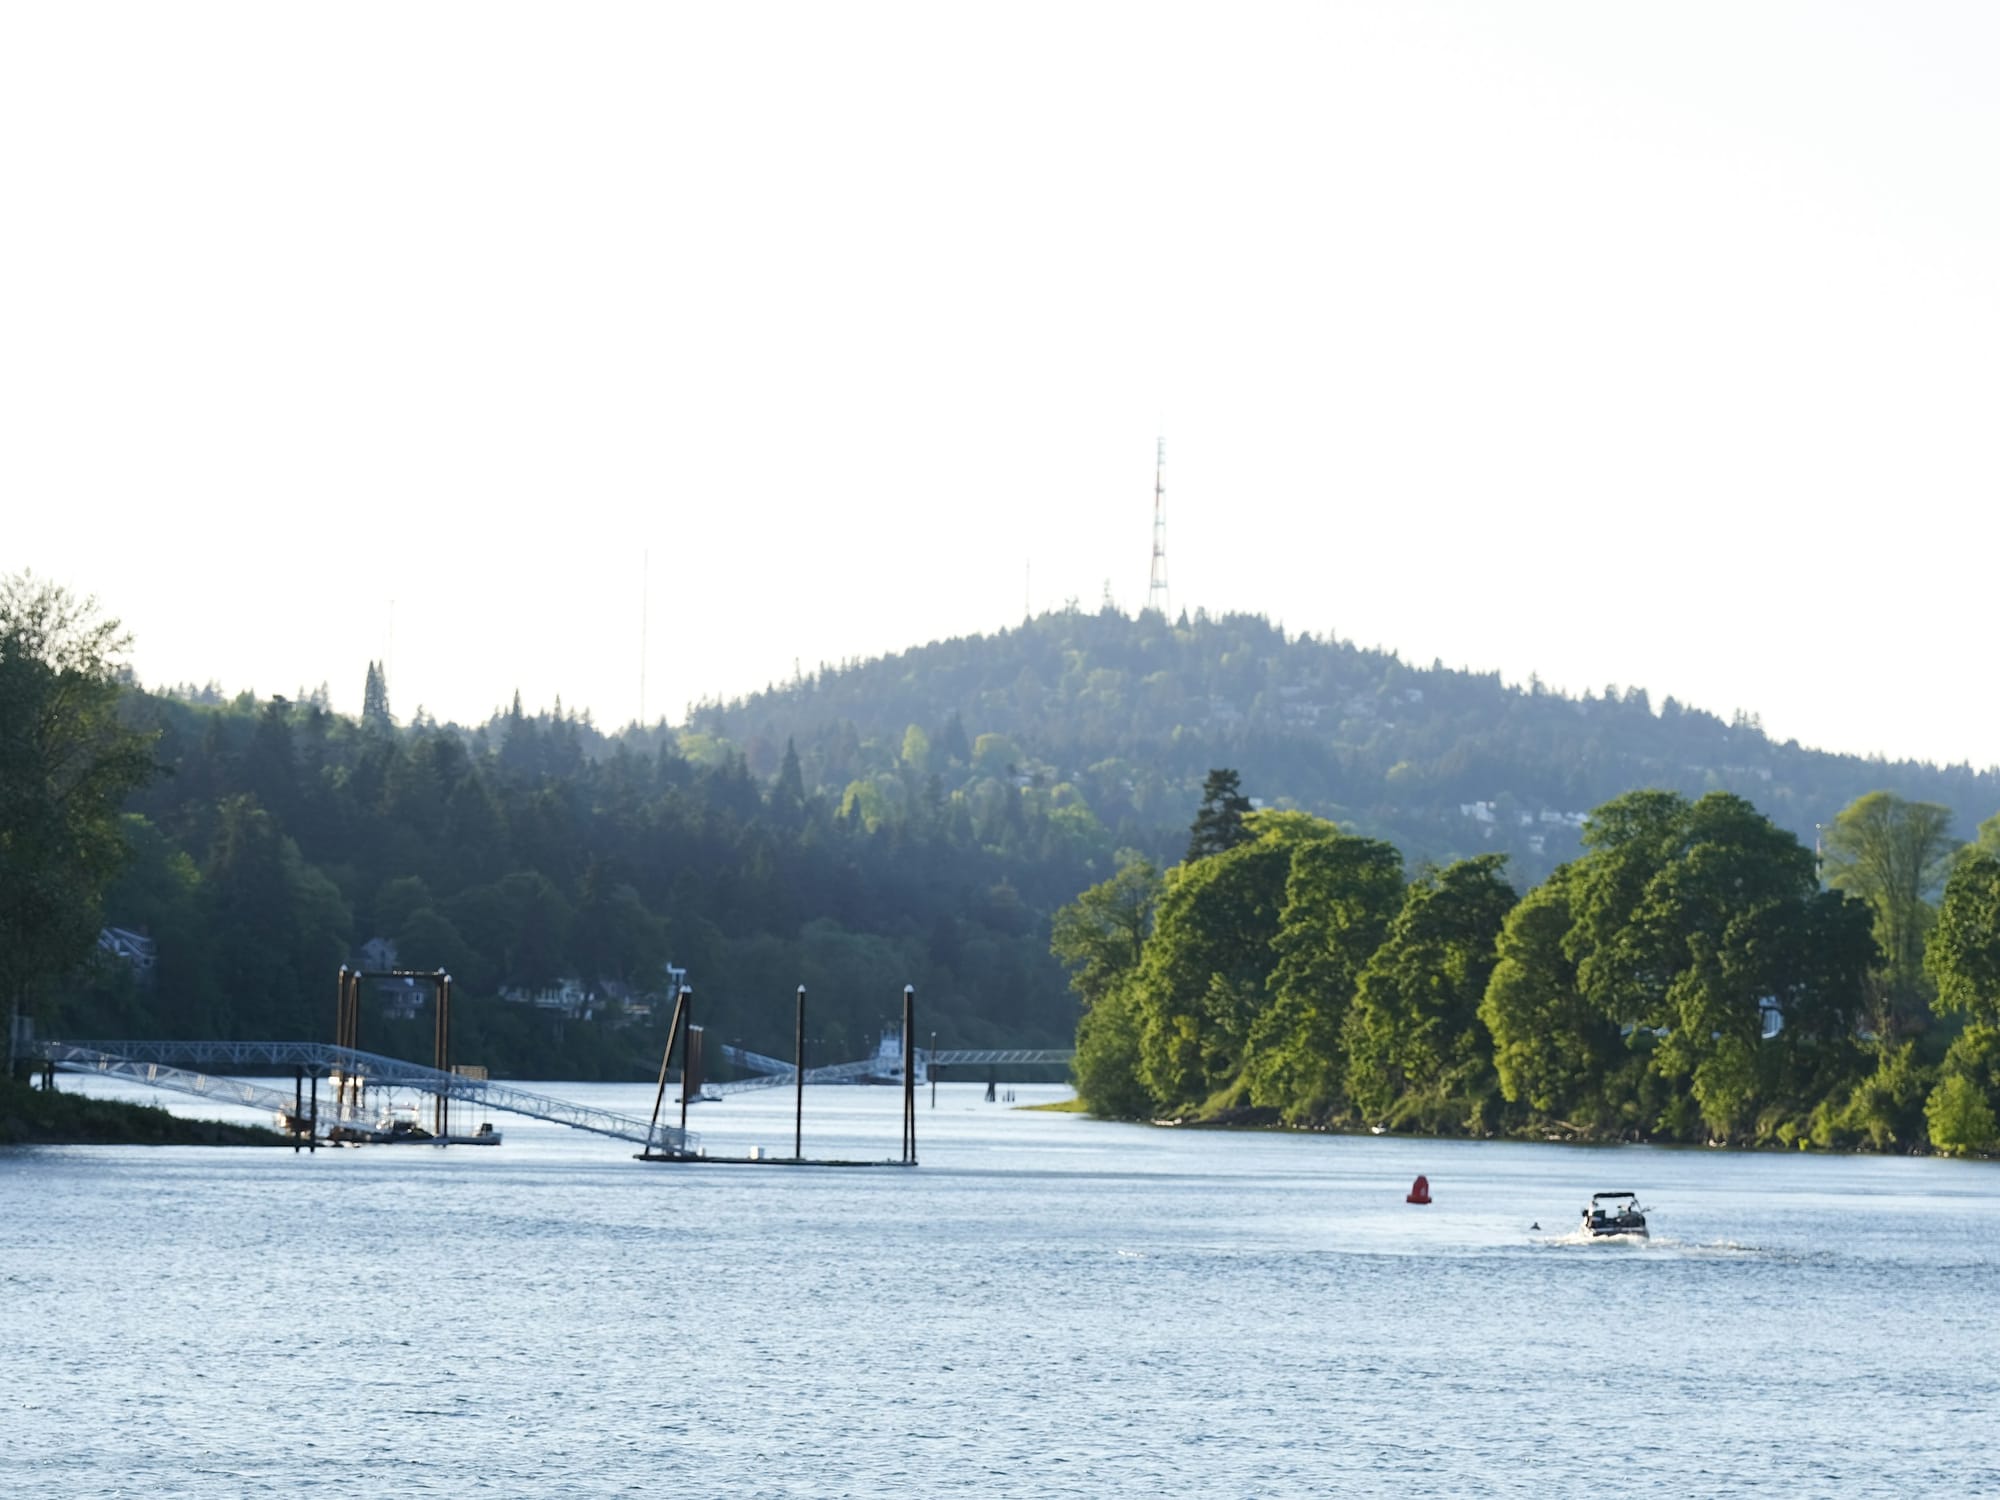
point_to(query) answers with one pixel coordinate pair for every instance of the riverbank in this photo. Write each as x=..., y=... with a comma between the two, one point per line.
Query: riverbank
x=1259, y=1121
x=34, y=1117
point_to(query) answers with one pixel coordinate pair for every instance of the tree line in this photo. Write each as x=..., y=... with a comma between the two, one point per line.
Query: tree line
x=1695, y=974
x=258, y=843
x=1127, y=714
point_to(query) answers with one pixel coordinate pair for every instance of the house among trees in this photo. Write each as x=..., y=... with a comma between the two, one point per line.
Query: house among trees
x=566, y=997
x=402, y=999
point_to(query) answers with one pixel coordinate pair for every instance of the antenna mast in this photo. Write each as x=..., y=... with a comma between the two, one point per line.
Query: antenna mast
x=645, y=612
x=1156, y=589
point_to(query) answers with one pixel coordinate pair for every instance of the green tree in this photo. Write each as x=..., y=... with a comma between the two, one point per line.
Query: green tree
x=1202, y=980
x=67, y=763
x=1101, y=936
x=1106, y=1068
x=375, y=700
x=1960, y=1118
x=1552, y=1048
x=1712, y=926
x=1893, y=854
x=1219, y=824
x=278, y=925
x=788, y=792
x=1963, y=957
x=1987, y=840
x=1690, y=922
x=1414, y=1042
x=1341, y=894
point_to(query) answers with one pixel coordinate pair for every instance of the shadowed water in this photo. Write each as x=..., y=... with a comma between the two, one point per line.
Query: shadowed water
x=1049, y=1306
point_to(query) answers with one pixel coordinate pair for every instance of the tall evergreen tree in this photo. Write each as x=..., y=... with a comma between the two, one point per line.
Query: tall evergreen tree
x=375, y=699
x=1218, y=826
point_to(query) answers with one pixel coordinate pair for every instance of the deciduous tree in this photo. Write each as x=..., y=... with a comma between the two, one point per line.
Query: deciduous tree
x=67, y=762
x=1894, y=855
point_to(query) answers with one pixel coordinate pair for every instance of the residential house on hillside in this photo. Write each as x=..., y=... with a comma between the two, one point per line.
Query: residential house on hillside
x=402, y=999
x=567, y=997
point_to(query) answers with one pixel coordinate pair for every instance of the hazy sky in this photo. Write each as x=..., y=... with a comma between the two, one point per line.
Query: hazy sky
x=1620, y=344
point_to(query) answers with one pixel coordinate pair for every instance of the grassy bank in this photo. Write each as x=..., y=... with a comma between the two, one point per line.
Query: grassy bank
x=30, y=1117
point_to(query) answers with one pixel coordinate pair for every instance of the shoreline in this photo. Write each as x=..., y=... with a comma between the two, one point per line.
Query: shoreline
x=1803, y=1148
x=34, y=1117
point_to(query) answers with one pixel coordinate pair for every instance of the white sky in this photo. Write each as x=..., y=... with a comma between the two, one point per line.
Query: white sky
x=1617, y=343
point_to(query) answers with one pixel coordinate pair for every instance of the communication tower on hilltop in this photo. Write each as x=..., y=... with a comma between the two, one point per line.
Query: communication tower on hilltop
x=1156, y=589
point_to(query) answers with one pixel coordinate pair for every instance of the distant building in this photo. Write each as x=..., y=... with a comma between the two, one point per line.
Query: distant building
x=566, y=997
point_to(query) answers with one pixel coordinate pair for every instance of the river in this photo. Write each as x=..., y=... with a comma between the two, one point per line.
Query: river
x=1048, y=1306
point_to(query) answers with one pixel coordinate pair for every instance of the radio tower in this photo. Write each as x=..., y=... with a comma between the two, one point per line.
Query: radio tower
x=1156, y=590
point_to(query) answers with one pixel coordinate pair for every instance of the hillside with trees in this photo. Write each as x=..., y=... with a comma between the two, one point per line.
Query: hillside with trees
x=1125, y=718
x=921, y=819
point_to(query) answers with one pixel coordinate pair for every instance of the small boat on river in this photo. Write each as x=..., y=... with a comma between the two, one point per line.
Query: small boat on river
x=1610, y=1214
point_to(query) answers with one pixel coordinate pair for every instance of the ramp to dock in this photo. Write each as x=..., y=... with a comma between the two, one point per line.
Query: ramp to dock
x=156, y=1064
x=769, y=1072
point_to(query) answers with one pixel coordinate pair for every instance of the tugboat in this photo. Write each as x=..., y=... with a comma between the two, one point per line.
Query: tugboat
x=886, y=1066
x=1609, y=1214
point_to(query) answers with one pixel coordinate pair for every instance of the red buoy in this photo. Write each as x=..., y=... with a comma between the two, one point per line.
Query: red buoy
x=1420, y=1191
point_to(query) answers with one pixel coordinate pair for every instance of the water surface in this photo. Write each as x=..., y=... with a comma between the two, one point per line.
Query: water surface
x=1049, y=1305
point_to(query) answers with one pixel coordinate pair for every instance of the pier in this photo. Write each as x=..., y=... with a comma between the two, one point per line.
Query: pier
x=160, y=1065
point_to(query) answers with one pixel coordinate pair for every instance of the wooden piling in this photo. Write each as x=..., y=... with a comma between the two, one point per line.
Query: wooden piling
x=666, y=1058
x=909, y=1075
x=687, y=1014
x=799, y=1080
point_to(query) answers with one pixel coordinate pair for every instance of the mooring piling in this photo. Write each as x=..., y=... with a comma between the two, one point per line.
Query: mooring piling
x=687, y=1014
x=666, y=1059
x=799, y=1081
x=909, y=1075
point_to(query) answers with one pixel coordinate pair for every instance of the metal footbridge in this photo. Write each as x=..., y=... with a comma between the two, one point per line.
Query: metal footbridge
x=157, y=1065
x=768, y=1072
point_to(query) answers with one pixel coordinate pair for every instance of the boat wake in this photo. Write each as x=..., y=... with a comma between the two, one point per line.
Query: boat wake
x=1667, y=1244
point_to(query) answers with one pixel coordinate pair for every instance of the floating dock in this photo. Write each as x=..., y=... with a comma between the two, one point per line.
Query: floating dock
x=757, y=1159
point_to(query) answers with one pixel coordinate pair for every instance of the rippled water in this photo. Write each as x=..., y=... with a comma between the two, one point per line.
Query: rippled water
x=1049, y=1306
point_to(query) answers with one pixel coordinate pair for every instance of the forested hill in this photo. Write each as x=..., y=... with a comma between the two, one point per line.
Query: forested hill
x=918, y=818
x=1126, y=717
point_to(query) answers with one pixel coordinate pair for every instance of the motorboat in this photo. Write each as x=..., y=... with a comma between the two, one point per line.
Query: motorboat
x=402, y=1127
x=1611, y=1214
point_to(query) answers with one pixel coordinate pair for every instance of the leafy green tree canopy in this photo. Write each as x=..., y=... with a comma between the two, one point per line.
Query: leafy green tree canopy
x=1101, y=936
x=1964, y=953
x=67, y=762
x=1893, y=854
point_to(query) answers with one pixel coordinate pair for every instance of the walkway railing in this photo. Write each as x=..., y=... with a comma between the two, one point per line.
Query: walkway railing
x=152, y=1063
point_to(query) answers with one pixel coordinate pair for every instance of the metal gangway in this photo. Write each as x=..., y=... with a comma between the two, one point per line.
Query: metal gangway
x=153, y=1064
x=995, y=1056
x=768, y=1072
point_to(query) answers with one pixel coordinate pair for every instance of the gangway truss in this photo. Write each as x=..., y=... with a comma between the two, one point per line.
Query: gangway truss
x=152, y=1063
